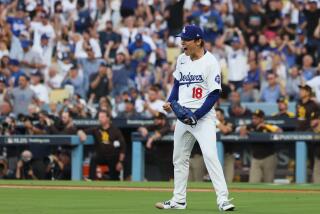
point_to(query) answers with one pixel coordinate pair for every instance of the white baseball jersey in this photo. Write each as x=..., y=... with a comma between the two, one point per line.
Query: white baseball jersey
x=197, y=78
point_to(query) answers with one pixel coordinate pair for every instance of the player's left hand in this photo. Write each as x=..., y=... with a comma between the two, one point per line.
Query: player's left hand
x=167, y=107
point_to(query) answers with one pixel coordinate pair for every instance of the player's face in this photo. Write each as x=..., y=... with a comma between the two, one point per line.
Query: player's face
x=282, y=106
x=256, y=120
x=103, y=118
x=189, y=46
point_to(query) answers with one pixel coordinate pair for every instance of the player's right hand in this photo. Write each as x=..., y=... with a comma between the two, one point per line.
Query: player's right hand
x=167, y=107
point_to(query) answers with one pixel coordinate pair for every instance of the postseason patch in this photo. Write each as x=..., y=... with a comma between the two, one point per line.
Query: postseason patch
x=217, y=79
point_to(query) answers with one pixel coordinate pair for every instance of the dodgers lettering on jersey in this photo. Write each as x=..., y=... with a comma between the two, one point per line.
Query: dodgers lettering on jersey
x=197, y=79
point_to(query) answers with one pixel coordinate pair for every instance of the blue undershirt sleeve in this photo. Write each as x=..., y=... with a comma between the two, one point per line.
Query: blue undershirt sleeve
x=175, y=91
x=208, y=104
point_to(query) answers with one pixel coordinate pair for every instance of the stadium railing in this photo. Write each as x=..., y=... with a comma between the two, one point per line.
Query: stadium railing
x=300, y=139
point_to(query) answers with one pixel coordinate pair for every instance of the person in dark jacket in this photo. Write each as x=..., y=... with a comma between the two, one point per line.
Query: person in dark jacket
x=110, y=147
x=263, y=155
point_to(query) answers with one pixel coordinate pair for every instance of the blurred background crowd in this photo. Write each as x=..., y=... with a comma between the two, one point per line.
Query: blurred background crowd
x=70, y=59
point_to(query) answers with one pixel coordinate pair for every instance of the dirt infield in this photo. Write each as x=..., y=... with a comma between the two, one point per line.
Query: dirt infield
x=150, y=189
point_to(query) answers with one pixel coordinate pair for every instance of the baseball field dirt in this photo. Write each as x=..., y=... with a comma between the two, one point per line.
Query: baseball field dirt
x=132, y=197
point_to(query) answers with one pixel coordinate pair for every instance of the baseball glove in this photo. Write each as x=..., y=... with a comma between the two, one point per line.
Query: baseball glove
x=183, y=114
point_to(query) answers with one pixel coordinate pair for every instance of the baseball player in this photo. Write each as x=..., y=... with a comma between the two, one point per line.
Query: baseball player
x=197, y=86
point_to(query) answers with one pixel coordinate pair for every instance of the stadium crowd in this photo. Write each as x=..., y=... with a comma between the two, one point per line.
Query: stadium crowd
x=83, y=57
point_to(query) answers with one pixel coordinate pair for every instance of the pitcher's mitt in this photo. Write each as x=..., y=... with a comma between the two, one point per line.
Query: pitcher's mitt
x=183, y=114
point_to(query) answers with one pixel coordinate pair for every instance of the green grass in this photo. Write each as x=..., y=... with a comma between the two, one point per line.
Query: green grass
x=27, y=201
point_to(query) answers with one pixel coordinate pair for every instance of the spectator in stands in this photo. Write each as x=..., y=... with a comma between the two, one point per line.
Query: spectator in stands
x=39, y=88
x=153, y=105
x=263, y=160
x=209, y=20
x=138, y=102
x=8, y=126
x=5, y=172
x=84, y=20
x=16, y=72
x=283, y=109
x=66, y=126
x=110, y=41
x=31, y=60
x=75, y=80
x=21, y=97
x=110, y=147
x=312, y=16
x=248, y=93
x=129, y=111
x=305, y=107
x=105, y=105
x=236, y=57
x=120, y=101
x=3, y=89
x=16, y=20
x=4, y=68
x=58, y=166
x=54, y=79
x=254, y=73
x=139, y=51
x=89, y=65
x=34, y=129
x=226, y=128
x=315, y=127
x=84, y=42
x=254, y=20
x=128, y=31
x=279, y=68
x=46, y=50
x=144, y=77
x=5, y=109
x=238, y=110
x=3, y=49
x=77, y=107
x=307, y=70
x=43, y=34
x=293, y=82
x=53, y=109
x=101, y=82
x=120, y=74
x=128, y=8
x=272, y=91
x=174, y=15
x=300, y=46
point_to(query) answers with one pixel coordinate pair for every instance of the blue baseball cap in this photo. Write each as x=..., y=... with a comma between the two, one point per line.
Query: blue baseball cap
x=191, y=32
x=44, y=36
x=138, y=37
x=25, y=43
x=14, y=62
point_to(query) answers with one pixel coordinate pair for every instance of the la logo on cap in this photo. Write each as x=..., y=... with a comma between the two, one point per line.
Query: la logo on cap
x=184, y=30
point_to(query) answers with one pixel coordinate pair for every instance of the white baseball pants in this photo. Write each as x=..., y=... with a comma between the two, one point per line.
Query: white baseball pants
x=184, y=138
